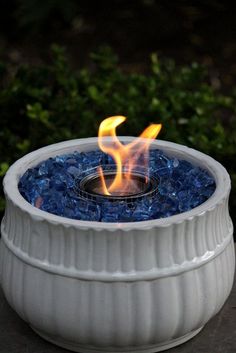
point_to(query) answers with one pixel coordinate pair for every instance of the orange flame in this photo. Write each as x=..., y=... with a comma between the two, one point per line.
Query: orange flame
x=125, y=156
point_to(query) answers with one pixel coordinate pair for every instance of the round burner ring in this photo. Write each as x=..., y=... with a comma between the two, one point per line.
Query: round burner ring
x=89, y=187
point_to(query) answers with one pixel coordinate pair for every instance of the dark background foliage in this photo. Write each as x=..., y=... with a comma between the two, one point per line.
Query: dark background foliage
x=115, y=62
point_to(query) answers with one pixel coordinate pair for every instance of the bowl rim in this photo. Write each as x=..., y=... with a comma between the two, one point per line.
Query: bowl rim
x=17, y=169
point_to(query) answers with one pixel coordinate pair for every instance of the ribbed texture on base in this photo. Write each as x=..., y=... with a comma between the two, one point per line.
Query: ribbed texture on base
x=120, y=289
x=103, y=254
x=118, y=314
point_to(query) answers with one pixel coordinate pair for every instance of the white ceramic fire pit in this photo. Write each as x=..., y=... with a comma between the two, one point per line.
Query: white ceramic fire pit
x=117, y=287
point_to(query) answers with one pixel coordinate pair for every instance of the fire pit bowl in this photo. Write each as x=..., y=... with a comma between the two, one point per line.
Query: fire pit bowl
x=117, y=287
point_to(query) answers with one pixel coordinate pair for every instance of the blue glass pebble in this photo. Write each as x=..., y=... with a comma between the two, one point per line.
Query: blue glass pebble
x=50, y=186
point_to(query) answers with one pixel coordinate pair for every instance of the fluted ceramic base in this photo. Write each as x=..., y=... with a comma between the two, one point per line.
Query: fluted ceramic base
x=133, y=283
x=145, y=349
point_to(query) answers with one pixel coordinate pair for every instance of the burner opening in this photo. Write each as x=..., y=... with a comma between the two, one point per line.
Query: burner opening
x=139, y=186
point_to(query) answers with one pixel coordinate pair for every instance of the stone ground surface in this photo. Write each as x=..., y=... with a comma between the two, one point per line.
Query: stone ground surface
x=218, y=336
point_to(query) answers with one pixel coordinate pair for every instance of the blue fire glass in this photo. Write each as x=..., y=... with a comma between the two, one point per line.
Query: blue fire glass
x=51, y=186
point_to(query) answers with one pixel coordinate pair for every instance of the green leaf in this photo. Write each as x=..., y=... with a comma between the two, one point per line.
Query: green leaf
x=3, y=168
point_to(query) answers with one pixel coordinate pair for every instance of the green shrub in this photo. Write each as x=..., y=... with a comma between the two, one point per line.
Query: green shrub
x=50, y=103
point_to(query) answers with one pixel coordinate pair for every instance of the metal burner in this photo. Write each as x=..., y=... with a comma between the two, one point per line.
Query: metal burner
x=90, y=187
